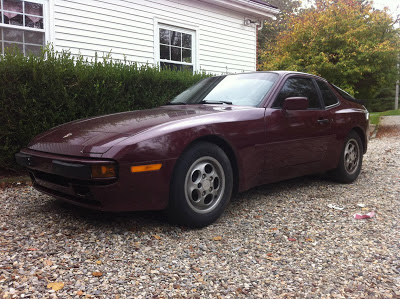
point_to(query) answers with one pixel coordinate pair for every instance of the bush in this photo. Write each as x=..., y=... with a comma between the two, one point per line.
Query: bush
x=40, y=92
x=381, y=104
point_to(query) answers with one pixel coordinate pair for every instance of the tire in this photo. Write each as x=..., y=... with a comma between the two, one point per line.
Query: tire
x=350, y=159
x=201, y=186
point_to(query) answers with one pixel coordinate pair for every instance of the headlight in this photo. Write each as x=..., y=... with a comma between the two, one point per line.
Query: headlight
x=103, y=171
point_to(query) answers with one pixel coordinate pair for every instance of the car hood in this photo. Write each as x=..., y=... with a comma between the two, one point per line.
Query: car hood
x=98, y=134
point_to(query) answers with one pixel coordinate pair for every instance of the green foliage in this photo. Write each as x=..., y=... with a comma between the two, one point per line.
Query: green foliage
x=40, y=92
x=381, y=104
x=345, y=41
x=383, y=100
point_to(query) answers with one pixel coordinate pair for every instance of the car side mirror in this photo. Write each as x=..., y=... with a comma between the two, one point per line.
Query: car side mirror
x=295, y=103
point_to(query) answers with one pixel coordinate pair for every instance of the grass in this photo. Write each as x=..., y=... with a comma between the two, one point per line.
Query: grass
x=374, y=116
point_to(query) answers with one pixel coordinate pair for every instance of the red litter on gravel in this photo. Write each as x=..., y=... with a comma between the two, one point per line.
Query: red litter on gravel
x=366, y=216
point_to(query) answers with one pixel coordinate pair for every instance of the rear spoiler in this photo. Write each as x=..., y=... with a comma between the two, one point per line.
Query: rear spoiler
x=347, y=96
x=362, y=102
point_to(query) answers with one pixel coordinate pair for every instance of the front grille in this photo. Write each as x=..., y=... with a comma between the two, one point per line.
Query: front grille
x=86, y=200
x=71, y=189
x=66, y=182
x=51, y=178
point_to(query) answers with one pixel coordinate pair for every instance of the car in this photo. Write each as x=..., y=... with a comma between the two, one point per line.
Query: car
x=225, y=134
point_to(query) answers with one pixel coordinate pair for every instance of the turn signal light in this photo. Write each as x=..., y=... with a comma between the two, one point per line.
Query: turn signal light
x=143, y=168
x=103, y=171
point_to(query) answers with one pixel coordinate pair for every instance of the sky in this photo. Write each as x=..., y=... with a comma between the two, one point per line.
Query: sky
x=393, y=5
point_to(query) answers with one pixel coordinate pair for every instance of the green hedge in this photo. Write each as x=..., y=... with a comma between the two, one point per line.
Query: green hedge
x=40, y=92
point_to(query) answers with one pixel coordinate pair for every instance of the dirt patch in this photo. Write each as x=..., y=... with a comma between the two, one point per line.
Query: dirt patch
x=10, y=178
x=389, y=126
x=388, y=131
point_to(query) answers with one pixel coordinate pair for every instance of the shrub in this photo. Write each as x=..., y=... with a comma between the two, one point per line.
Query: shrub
x=40, y=92
x=381, y=104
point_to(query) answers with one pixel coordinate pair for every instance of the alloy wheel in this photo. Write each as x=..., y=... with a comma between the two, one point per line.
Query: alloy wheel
x=204, y=184
x=351, y=156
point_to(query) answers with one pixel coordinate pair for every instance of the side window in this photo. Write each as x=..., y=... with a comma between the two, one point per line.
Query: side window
x=298, y=87
x=327, y=94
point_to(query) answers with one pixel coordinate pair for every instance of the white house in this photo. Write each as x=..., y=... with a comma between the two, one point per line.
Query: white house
x=216, y=36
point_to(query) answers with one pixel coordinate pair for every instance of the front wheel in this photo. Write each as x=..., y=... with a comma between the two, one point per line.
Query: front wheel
x=350, y=160
x=201, y=187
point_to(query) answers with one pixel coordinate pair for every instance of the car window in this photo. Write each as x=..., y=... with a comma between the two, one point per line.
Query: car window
x=298, y=87
x=344, y=94
x=328, y=96
x=240, y=89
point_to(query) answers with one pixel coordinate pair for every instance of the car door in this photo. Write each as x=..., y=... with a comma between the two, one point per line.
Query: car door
x=297, y=138
x=332, y=106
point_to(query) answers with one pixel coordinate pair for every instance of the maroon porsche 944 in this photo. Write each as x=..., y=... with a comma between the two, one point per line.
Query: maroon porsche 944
x=223, y=135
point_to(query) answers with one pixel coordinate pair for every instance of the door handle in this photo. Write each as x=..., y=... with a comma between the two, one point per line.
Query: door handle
x=323, y=121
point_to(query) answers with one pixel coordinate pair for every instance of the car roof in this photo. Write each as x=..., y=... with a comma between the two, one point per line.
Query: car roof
x=281, y=73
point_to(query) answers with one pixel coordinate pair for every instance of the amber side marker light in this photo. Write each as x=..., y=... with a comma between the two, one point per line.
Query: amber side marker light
x=103, y=171
x=143, y=168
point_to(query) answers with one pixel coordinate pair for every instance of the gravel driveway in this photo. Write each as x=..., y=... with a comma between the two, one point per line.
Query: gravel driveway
x=273, y=241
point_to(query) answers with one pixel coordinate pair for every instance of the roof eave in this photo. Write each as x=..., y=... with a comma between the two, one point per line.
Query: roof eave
x=248, y=7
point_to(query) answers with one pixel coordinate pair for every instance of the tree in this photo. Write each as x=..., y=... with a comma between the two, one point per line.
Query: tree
x=269, y=33
x=345, y=41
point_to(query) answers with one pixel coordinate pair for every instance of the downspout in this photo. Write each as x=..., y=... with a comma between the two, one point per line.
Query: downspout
x=259, y=26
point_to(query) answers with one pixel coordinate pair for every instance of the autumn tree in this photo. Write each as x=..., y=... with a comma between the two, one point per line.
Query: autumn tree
x=267, y=36
x=346, y=41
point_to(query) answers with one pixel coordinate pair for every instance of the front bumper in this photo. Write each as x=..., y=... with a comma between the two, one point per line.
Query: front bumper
x=69, y=178
x=75, y=170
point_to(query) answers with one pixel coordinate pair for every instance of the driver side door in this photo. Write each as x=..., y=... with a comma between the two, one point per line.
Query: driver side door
x=296, y=140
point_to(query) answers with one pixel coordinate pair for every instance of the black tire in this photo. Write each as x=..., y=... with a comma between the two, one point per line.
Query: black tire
x=201, y=186
x=350, y=159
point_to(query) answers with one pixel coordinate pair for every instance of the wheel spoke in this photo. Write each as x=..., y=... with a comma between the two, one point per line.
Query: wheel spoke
x=192, y=186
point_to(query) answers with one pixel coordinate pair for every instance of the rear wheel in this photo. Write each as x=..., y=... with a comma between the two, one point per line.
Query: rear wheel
x=350, y=160
x=201, y=187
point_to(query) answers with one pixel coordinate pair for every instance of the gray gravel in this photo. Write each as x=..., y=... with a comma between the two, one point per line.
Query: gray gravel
x=278, y=240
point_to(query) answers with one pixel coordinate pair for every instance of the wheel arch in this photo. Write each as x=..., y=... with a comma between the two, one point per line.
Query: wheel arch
x=363, y=137
x=228, y=150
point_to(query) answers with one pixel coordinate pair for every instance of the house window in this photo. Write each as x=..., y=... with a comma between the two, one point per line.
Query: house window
x=22, y=26
x=176, y=49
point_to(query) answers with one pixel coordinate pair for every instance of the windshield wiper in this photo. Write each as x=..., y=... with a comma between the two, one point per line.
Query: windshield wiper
x=176, y=103
x=216, y=102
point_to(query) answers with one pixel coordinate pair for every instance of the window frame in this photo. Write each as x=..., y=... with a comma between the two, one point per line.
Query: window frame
x=179, y=27
x=46, y=24
x=321, y=103
x=322, y=97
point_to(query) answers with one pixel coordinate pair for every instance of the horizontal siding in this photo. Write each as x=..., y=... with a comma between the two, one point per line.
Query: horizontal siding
x=224, y=52
x=96, y=26
x=91, y=54
x=104, y=44
x=126, y=28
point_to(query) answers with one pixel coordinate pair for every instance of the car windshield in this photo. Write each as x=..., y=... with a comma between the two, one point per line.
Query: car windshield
x=242, y=89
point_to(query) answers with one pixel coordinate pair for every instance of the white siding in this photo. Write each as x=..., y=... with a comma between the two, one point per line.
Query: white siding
x=125, y=28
